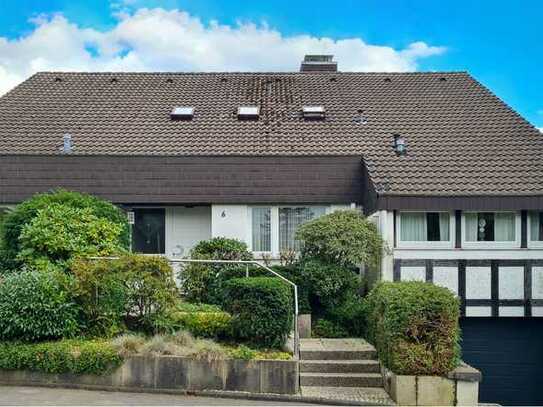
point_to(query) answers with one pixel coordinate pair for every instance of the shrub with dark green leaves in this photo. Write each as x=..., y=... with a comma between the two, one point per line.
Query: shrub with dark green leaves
x=134, y=289
x=350, y=315
x=59, y=233
x=36, y=306
x=201, y=320
x=414, y=326
x=324, y=328
x=203, y=283
x=66, y=356
x=293, y=272
x=328, y=284
x=345, y=238
x=261, y=309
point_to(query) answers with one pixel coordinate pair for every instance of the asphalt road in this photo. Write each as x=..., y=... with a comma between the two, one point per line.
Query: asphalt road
x=43, y=396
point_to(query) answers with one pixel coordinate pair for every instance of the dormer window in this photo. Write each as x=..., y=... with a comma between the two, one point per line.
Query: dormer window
x=248, y=112
x=314, y=112
x=182, y=113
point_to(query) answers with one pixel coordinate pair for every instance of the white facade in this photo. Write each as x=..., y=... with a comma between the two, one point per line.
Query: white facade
x=494, y=278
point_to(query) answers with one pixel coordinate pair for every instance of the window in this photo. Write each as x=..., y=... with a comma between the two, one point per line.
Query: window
x=261, y=222
x=273, y=228
x=490, y=226
x=425, y=226
x=536, y=226
x=149, y=231
x=289, y=220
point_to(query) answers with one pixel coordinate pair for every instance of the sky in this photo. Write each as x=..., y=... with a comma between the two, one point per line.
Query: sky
x=499, y=42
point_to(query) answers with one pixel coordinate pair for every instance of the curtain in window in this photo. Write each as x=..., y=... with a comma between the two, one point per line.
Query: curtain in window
x=472, y=226
x=413, y=227
x=504, y=227
x=444, y=223
x=261, y=220
x=536, y=226
x=290, y=219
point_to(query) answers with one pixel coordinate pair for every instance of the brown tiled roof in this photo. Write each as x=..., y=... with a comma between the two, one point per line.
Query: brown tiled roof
x=461, y=139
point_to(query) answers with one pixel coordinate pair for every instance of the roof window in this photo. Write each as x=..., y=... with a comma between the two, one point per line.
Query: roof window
x=182, y=113
x=314, y=112
x=248, y=112
x=400, y=145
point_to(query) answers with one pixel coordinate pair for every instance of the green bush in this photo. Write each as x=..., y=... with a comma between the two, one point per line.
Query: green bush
x=134, y=289
x=261, y=308
x=204, y=282
x=66, y=356
x=202, y=324
x=324, y=328
x=328, y=284
x=414, y=326
x=15, y=220
x=59, y=233
x=37, y=306
x=350, y=315
x=345, y=238
x=293, y=272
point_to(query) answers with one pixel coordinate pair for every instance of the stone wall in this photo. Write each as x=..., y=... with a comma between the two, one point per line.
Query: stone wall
x=176, y=373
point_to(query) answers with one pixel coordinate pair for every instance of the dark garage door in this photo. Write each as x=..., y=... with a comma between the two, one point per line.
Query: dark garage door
x=509, y=352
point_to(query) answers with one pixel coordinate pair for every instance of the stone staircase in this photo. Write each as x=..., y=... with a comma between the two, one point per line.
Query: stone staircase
x=341, y=369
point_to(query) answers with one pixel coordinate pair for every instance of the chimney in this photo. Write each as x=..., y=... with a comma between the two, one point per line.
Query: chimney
x=318, y=63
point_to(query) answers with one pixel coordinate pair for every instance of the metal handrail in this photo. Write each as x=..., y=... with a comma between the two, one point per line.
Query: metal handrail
x=247, y=263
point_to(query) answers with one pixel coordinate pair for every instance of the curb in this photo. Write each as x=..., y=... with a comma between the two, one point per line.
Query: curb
x=205, y=393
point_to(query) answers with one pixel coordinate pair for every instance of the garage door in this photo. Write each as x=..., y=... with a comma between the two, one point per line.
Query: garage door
x=509, y=353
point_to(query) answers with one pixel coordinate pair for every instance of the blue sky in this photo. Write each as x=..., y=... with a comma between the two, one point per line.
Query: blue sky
x=499, y=42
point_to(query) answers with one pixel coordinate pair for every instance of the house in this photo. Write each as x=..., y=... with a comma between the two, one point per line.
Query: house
x=452, y=175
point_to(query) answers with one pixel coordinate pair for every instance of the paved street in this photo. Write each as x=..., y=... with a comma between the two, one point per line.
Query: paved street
x=11, y=395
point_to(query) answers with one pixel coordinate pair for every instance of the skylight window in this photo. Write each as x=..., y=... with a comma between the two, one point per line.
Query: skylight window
x=314, y=112
x=182, y=113
x=248, y=112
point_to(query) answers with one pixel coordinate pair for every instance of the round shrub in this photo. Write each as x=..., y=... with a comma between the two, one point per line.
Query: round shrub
x=346, y=238
x=36, y=306
x=60, y=233
x=324, y=328
x=15, y=220
x=204, y=282
x=293, y=272
x=261, y=308
x=414, y=327
x=329, y=284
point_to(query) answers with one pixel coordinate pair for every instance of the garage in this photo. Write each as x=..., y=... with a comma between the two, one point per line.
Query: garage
x=509, y=353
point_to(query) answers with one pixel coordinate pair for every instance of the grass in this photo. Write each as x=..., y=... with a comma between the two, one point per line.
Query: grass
x=182, y=343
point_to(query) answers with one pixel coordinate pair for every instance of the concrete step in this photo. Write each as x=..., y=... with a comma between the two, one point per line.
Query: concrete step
x=339, y=366
x=341, y=379
x=369, y=354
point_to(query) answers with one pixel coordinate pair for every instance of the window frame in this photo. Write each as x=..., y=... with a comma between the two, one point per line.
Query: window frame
x=533, y=244
x=274, y=224
x=515, y=244
x=427, y=244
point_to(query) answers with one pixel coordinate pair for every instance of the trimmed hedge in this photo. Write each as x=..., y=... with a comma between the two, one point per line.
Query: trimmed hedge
x=201, y=320
x=261, y=308
x=414, y=327
x=66, y=356
x=37, y=306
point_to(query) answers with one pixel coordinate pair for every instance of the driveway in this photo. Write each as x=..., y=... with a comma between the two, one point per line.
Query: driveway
x=43, y=396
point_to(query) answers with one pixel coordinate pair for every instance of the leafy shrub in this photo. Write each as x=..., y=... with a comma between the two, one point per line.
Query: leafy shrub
x=36, y=306
x=66, y=356
x=350, y=315
x=414, y=326
x=261, y=308
x=324, y=328
x=328, y=284
x=293, y=272
x=345, y=238
x=15, y=220
x=141, y=287
x=204, y=282
x=59, y=233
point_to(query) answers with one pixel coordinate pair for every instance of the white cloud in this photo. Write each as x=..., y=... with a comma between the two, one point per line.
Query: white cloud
x=540, y=129
x=161, y=40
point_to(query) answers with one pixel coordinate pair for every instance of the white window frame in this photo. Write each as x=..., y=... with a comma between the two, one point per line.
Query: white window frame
x=533, y=244
x=274, y=224
x=492, y=245
x=445, y=244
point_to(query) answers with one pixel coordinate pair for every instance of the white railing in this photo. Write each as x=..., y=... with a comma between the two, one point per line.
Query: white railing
x=247, y=263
